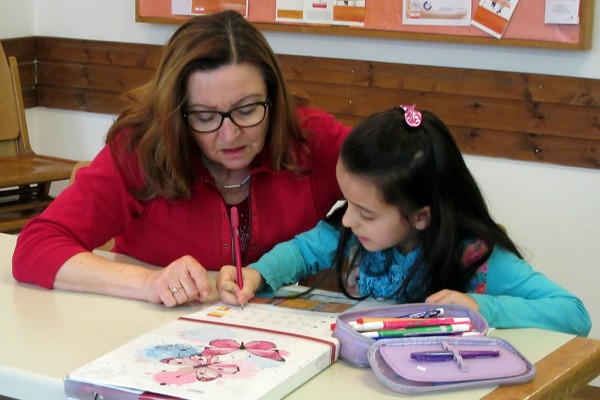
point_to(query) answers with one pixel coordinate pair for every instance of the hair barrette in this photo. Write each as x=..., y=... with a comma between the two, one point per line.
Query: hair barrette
x=413, y=117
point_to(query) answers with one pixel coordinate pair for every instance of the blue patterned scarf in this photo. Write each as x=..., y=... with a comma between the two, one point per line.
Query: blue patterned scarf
x=381, y=276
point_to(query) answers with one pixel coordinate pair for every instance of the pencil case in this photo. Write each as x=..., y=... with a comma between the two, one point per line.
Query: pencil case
x=354, y=346
x=391, y=362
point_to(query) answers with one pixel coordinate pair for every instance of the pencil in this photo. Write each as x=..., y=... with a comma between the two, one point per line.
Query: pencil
x=235, y=225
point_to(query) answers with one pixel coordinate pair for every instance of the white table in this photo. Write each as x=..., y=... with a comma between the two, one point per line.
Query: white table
x=45, y=334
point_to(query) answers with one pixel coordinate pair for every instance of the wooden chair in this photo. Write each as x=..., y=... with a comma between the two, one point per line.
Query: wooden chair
x=25, y=176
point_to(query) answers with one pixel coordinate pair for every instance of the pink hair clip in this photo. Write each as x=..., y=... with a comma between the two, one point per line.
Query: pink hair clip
x=413, y=117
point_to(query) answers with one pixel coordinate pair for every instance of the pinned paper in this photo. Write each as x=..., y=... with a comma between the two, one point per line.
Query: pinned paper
x=493, y=16
x=562, y=12
x=436, y=12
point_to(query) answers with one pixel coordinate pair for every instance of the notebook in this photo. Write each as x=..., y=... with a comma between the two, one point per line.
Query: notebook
x=263, y=351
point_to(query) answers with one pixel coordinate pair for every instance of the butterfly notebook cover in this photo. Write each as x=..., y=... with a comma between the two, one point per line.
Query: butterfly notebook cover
x=259, y=352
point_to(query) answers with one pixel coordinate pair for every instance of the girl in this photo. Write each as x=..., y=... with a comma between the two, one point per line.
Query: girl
x=415, y=227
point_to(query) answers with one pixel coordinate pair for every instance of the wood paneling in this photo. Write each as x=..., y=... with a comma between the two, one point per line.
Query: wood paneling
x=88, y=75
x=521, y=116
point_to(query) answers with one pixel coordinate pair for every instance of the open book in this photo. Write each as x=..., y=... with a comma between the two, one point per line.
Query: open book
x=263, y=351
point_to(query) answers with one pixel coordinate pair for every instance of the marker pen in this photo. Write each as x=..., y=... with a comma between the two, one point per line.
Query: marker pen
x=423, y=330
x=446, y=355
x=408, y=323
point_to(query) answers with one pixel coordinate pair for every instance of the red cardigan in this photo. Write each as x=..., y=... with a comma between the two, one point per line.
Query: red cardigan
x=98, y=206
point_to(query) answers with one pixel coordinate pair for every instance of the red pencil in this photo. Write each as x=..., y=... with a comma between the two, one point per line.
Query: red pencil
x=235, y=225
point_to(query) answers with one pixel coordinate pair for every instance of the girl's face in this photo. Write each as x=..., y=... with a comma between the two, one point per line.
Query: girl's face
x=376, y=224
x=230, y=147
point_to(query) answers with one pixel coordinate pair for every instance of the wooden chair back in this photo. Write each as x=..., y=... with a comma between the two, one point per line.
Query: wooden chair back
x=11, y=121
x=25, y=176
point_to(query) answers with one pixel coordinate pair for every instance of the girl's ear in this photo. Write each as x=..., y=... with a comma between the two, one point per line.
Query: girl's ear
x=421, y=218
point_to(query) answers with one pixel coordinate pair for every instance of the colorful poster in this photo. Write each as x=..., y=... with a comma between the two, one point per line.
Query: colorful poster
x=330, y=12
x=492, y=16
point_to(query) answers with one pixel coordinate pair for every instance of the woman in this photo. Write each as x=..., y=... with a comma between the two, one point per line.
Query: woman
x=215, y=127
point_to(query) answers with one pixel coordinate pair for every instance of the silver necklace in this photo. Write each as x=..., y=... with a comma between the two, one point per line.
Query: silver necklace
x=239, y=185
x=242, y=183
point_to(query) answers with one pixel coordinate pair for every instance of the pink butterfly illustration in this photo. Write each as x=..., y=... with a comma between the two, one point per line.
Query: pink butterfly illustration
x=259, y=348
x=196, y=367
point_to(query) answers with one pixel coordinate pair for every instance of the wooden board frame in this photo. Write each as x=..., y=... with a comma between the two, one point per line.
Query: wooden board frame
x=583, y=35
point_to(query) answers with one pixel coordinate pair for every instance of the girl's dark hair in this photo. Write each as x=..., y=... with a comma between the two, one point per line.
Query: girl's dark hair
x=414, y=167
x=166, y=151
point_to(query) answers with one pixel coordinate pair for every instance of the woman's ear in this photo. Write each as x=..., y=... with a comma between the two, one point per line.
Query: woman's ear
x=421, y=218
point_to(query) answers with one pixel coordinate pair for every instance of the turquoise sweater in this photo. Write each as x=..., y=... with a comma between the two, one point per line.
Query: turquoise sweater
x=516, y=296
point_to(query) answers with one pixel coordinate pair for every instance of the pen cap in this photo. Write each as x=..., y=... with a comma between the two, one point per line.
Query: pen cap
x=354, y=346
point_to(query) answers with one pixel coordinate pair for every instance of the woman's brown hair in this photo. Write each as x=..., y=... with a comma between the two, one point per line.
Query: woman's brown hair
x=153, y=113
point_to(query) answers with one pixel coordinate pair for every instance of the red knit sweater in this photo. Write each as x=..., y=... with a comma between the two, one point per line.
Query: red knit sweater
x=98, y=206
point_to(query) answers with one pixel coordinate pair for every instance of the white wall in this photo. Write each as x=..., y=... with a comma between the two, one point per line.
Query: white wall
x=551, y=211
x=16, y=19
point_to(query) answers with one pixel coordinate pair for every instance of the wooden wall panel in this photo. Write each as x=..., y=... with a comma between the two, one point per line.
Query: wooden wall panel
x=88, y=75
x=78, y=99
x=521, y=116
x=97, y=52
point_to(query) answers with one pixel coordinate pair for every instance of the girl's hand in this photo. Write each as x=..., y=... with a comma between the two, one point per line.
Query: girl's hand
x=182, y=281
x=228, y=288
x=453, y=297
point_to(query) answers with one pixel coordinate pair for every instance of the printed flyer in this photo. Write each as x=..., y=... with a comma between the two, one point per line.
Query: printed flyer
x=436, y=12
x=492, y=16
x=202, y=7
x=330, y=12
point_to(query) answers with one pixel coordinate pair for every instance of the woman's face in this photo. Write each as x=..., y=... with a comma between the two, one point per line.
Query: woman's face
x=223, y=89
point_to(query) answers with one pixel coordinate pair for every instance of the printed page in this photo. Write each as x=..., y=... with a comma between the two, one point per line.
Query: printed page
x=493, y=16
x=330, y=12
x=562, y=12
x=436, y=12
x=202, y=7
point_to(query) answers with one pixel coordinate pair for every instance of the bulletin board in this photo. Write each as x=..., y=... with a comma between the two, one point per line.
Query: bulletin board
x=383, y=19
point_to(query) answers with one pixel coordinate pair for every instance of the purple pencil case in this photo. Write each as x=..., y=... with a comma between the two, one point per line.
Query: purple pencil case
x=354, y=347
x=391, y=361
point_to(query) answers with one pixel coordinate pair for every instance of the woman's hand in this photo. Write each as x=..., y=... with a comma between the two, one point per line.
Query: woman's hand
x=182, y=281
x=228, y=288
x=453, y=297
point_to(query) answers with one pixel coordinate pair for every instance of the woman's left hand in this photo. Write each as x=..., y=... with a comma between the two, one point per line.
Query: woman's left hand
x=182, y=281
x=453, y=297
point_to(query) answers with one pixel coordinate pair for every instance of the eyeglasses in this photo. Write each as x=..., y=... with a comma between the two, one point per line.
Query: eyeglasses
x=245, y=116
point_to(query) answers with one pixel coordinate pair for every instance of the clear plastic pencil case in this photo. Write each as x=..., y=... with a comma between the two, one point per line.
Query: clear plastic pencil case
x=405, y=365
x=354, y=346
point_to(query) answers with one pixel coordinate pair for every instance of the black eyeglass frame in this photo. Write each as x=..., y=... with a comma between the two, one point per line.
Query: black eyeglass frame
x=227, y=114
